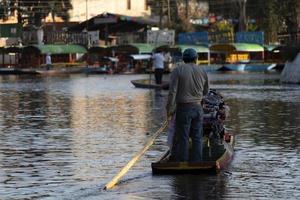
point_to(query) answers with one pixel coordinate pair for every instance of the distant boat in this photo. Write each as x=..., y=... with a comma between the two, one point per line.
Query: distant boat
x=147, y=83
x=96, y=70
x=60, y=71
x=241, y=57
x=260, y=66
x=15, y=71
x=233, y=67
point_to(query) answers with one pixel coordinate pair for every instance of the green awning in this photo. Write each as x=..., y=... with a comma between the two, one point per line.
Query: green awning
x=56, y=48
x=198, y=48
x=144, y=47
x=240, y=47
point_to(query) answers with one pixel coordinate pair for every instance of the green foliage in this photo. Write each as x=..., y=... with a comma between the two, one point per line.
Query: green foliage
x=252, y=27
x=223, y=25
x=275, y=16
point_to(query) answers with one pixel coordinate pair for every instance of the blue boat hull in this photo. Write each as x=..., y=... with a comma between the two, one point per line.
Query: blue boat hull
x=255, y=67
x=211, y=67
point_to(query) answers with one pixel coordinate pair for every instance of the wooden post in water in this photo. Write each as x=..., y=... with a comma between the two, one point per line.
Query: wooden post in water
x=124, y=170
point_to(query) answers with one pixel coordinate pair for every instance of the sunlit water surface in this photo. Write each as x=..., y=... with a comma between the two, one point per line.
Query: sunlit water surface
x=66, y=137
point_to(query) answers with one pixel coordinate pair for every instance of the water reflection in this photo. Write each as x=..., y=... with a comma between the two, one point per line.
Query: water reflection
x=65, y=137
x=199, y=186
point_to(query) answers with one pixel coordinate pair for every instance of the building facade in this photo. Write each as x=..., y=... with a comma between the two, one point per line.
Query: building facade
x=83, y=10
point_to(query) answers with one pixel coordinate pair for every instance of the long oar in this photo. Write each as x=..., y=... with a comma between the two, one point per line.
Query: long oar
x=124, y=170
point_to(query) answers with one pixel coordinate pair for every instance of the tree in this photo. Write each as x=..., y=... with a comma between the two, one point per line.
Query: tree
x=269, y=21
x=176, y=14
x=34, y=11
x=289, y=15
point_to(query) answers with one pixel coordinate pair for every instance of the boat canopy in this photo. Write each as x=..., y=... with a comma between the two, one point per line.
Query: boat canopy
x=167, y=48
x=133, y=48
x=141, y=56
x=236, y=47
x=144, y=47
x=181, y=47
x=55, y=49
x=97, y=49
x=123, y=49
x=12, y=49
x=198, y=48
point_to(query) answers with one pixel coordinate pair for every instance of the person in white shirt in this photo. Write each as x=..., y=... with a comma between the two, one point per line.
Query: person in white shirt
x=158, y=64
x=48, y=61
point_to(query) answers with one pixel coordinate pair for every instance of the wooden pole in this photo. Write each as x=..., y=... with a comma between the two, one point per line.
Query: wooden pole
x=124, y=170
x=169, y=14
x=186, y=9
x=150, y=77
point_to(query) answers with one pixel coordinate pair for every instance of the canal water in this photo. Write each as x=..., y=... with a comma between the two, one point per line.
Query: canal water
x=66, y=137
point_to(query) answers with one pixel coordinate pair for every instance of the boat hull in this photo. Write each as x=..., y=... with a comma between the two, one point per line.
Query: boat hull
x=260, y=67
x=211, y=67
x=255, y=67
x=150, y=84
x=233, y=67
x=164, y=166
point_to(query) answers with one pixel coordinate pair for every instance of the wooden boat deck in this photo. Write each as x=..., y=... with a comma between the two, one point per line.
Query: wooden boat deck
x=212, y=161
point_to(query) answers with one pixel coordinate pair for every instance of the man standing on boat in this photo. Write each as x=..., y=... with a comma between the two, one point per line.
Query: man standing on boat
x=188, y=85
x=158, y=64
x=48, y=61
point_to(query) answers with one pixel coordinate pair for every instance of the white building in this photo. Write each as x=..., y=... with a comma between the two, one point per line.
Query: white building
x=86, y=9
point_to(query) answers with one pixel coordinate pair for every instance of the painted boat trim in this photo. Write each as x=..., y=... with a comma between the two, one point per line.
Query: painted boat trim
x=163, y=167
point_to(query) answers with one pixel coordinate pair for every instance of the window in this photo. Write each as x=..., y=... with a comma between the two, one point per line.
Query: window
x=128, y=4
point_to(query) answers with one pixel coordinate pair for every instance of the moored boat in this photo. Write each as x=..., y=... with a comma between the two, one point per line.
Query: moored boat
x=233, y=67
x=241, y=57
x=260, y=66
x=211, y=67
x=252, y=67
x=148, y=83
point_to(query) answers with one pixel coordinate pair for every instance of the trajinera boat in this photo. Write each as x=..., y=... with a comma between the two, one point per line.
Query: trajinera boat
x=149, y=83
x=217, y=142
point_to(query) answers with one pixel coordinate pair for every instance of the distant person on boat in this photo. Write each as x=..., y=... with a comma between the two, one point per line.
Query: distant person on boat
x=188, y=85
x=158, y=65
x=48, y=61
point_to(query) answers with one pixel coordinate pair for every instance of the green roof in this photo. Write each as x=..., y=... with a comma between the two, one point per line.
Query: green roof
x=198, y=48
x=241, y=47
x=144, y=47
x=57, y=48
